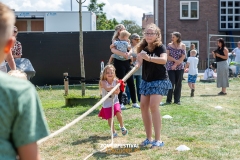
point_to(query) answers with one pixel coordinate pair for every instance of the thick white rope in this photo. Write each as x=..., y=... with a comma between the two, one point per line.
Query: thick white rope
x=111, y=132
x=87, y=112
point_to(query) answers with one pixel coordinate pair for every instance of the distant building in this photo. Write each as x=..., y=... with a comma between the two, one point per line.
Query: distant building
x=147, y=19
x=54, y=21
x=195, y=19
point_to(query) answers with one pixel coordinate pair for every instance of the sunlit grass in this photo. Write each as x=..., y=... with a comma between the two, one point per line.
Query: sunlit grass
x=209, y=133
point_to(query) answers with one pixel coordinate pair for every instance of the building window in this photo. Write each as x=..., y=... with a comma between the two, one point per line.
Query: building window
x=188, y=44
x=189, y=10
x=229, y=15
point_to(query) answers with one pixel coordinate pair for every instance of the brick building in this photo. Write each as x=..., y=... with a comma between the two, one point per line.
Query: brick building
x=196, y=19
x=147, y=19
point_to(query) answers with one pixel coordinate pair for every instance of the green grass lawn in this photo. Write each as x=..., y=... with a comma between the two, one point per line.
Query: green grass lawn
x=209, y=133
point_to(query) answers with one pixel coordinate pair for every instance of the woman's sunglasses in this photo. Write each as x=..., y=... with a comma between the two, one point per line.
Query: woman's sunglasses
x=137, y=39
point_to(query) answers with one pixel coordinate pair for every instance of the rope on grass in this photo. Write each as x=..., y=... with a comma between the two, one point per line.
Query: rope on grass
x=88, y=111
x=111, y=132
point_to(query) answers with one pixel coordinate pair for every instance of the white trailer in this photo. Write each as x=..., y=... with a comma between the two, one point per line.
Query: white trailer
x=55, y=21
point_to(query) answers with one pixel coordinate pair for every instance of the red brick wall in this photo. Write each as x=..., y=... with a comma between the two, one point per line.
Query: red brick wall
x=190, y=29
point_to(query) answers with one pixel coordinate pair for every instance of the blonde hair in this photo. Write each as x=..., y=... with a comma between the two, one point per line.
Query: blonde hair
x=18, y=74
x=124, y=33
x=103, y=74
x=7, y=20
x=143, y=44
x=116, y=33
x=193, y=52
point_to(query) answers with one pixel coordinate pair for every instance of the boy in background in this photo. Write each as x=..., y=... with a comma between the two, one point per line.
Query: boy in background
x=192, y=64
x=22, y=122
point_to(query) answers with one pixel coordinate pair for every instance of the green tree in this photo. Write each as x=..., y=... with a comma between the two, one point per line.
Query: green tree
x=102, y=22
x=132, y=27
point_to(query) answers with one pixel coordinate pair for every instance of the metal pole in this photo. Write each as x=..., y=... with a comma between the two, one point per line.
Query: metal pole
x=156, y=12
x=81, y=48
x=165, y=22
x=208, y=45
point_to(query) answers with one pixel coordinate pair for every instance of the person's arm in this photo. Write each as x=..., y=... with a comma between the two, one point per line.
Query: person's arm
x=18, y=53
x=159, y=60
x=11, y=61
x=170, y=58
x=115, y=51
x=110, y=59
x=187, y=65
x=225, y=56
x=104, y=85
x=139, y=61
x=111, y=46
x=17, y=56
x=180, y=60
x=233, y=52
x=214, y=54
x=29, y=152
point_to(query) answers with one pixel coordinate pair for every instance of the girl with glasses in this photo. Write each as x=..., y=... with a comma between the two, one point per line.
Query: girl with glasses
x=155, y=83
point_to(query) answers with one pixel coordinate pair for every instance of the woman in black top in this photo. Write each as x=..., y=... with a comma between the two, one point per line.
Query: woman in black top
x=221, y=55
x=155, y=83
x=122, y=65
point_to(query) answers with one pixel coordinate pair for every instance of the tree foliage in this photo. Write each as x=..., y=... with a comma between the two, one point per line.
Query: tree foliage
x=102, y=22
x=132, y=26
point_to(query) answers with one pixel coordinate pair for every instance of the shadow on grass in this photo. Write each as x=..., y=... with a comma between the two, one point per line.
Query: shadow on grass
x=83, y=102
x=93, y=113
x=91, y=139
x=118, y=152
x=208, y=95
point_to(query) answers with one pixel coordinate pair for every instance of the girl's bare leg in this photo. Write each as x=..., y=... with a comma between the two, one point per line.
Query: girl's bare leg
x=156, y=117
x=146, y=116
x=109, y=123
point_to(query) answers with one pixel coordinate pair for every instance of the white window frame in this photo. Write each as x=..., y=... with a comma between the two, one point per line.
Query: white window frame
x=189, y=9
x=188, y=44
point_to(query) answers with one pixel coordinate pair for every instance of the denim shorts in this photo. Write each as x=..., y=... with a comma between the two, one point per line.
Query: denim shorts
x=192, y=78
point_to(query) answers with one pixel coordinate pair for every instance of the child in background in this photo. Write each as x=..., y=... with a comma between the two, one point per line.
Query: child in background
x=107, y=82
x=210, y=72
x=22, y=121
x=123, y=44
x=18, y=74
x=192, y=64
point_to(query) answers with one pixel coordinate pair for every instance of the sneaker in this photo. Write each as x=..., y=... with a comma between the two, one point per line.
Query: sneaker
x=145, y=143
x=124, y=131
x=192, y=93
x=115, y=135
x=135, y=105
x=157, y=144
x=161, y=104
x=123, y=107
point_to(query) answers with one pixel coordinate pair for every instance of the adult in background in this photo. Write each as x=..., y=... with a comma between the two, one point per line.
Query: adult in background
x=176, y=52
x=221, y=55
x=122, y=65
x=137, y=76
x=192, y=47
x=17, y=48
x=236, y=53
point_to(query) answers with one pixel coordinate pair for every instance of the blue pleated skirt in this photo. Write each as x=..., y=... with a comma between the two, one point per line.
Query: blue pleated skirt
x=159, y=87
